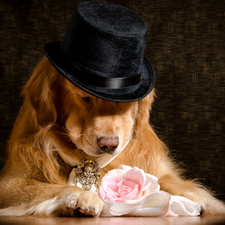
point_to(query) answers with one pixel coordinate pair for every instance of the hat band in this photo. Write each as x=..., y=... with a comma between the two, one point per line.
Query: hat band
x=99, y=81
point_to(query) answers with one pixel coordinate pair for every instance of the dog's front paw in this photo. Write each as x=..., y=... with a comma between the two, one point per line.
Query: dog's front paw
x=86, y=202
x=89, y=204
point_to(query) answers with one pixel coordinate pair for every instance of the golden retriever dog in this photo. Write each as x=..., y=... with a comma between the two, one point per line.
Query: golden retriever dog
x=58, y=126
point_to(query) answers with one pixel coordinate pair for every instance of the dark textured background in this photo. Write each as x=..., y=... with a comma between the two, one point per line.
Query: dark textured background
x=186, y=46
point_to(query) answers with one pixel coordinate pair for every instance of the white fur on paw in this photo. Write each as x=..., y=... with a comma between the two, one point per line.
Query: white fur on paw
x=86, y=202
x=89, y=204
x=71, y=200
x=68, y=204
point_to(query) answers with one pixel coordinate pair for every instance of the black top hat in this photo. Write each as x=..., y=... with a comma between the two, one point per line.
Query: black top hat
x=102, y=52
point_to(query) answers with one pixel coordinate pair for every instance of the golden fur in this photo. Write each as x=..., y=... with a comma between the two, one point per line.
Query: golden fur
x=57, y=127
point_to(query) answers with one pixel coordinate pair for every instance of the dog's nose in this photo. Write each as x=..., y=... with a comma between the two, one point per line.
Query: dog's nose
x=108, y=144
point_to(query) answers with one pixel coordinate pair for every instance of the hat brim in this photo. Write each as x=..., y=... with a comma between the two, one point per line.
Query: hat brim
x=127, y=94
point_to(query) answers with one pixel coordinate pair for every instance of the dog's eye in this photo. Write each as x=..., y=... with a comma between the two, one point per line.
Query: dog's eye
x=87, y=99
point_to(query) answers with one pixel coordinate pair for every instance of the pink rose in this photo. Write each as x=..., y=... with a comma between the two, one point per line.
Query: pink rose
x=130, y=191
x=127, y=183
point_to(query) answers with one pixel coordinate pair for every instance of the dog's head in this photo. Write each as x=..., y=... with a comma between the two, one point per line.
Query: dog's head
x=93, y=125
x=97, y=126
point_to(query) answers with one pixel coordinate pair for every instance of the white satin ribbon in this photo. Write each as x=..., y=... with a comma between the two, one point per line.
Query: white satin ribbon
x=156, y=204
x=181, y=206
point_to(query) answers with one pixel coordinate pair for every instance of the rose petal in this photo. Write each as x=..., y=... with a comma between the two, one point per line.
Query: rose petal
x=136, y=175
x=131, y=195
x=129, y=183
x=154, y=187
x=125, y=168
x=158, y=202
x=111, y=196
x=110, y=182
x=125, y=187
x=116, y=173
x=143, y=180
x=151, y=177
x=101, y=193
x=121, y=208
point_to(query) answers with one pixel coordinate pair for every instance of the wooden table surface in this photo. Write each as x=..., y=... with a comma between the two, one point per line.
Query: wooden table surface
x=111, y=221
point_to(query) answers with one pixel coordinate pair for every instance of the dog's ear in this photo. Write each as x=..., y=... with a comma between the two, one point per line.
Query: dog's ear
x=144, y=108
x=40, y=92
